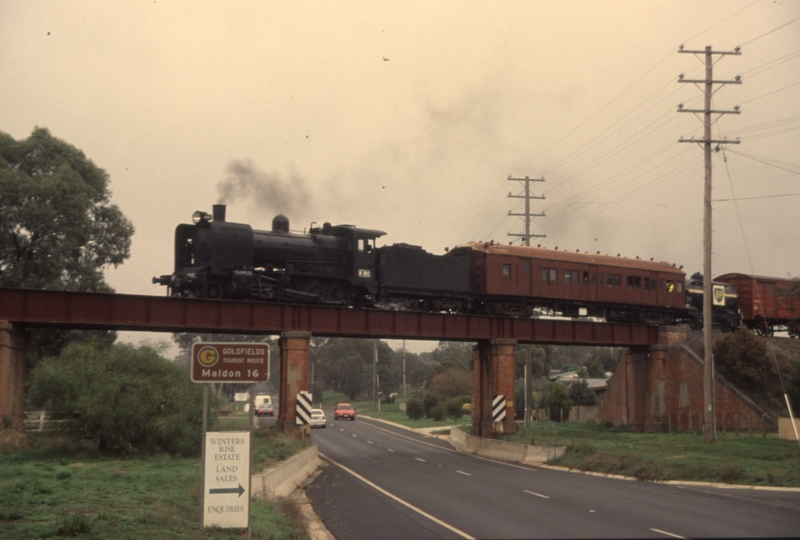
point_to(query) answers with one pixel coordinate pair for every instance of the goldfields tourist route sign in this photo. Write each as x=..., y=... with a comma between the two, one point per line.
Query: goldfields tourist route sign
x=230, y=362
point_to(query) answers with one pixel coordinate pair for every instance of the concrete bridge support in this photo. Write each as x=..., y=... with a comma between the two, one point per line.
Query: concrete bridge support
x=493, y=376
x=13, y=373
x=293, y=379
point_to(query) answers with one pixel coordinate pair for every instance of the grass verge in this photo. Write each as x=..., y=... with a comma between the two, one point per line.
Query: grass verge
x=669, y=456
x=51, y=490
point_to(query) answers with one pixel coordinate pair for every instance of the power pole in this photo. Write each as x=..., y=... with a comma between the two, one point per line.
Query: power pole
x=709, y=412
x=526, y=236
x=526, y=241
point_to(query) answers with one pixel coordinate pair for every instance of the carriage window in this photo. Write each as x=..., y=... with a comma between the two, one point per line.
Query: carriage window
x=506, y=270
x=680, y=286
x=526, y=267
x=634, y=282
x=614, y=280
x=670, y=286
x=549, y=275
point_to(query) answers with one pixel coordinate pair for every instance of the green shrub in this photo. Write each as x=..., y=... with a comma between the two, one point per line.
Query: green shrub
x=415, y=409
x=454, y=409
x=121, y=397
x=438, y=413
x=430, y=401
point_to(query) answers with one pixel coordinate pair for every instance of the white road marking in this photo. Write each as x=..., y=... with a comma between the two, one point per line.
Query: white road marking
x=464, y=473
x=420, y=459
x=537, y=494
x=369, y=442
x=667, y=533
x=390, y=450
x=451, y=449
x=354, y=435
x=401, y=501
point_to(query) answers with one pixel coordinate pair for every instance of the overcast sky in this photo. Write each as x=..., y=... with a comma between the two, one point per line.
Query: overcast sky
x=409, y=117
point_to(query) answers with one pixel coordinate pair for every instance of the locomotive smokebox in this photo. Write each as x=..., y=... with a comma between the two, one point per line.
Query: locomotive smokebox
x=219, y=213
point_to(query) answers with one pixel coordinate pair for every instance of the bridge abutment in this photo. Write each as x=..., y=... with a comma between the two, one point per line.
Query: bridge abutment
x=660, y=387
x=13, y=373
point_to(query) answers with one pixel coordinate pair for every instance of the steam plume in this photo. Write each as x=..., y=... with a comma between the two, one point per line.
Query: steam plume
x=266, y=192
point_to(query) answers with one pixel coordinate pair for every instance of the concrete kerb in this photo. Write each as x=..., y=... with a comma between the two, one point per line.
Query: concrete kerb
x=282, y=479
x=530, y=454
x=288, y=479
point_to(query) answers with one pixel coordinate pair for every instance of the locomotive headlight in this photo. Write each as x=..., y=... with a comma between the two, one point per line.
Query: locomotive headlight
x=200, y=216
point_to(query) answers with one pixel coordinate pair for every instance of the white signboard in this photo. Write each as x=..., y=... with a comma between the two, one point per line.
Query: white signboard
x=226, y=494
x=240, y=396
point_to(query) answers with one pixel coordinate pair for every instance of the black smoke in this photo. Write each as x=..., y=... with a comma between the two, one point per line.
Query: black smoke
x=265, y=192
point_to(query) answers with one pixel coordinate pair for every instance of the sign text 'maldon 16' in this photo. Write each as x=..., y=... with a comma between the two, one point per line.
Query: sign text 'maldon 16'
x=230, y=362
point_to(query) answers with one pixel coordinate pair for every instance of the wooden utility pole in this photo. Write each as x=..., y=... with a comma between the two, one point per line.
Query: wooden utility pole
x=526, y=241
x=709, y=428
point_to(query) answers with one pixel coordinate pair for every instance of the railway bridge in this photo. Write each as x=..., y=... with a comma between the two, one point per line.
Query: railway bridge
x=495, y=337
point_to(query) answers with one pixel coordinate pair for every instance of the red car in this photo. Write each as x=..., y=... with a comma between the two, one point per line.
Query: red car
x=344, y=410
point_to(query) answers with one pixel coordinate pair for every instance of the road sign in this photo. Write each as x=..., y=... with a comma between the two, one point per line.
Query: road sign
x=499, y=408
x=230, y=362
x=226, y=497
x=303, y=409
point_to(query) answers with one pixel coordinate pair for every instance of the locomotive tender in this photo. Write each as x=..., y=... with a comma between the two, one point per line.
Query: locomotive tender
x=342, y=265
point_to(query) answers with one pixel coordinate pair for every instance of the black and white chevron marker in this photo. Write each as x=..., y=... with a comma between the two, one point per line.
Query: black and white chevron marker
x=499, y=408
x=303, y=409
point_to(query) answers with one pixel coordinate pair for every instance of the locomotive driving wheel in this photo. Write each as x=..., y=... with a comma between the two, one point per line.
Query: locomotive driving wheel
x=317, y=288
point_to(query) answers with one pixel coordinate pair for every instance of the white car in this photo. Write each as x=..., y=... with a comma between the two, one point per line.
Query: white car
x=318, y=418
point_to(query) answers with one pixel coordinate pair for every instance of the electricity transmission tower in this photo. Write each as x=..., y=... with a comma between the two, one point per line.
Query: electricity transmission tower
x=526, y=241
x=709, y=413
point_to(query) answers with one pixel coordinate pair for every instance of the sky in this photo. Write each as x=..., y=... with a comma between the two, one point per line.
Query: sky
x=410, y=117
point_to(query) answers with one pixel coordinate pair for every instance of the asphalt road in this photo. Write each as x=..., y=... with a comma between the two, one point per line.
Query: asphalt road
x=383, y=481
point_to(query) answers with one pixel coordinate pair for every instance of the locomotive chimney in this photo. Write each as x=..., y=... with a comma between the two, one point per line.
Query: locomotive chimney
x=218, y=212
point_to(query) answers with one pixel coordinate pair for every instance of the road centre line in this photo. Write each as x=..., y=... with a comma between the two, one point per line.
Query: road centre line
x=464, y=473
x=401, y=501
x=537, y=494
x=369, y=442
x=450, y=449
x=667, y=533
x=390, y=450
x=420, y=459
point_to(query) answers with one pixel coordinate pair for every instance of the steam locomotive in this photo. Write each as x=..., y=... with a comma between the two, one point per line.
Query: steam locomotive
x=342, y=265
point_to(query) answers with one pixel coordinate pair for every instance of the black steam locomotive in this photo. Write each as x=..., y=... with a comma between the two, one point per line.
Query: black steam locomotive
x=342, y=265
x=332, y=264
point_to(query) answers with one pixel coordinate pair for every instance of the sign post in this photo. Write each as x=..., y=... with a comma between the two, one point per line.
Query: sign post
x=227, y=455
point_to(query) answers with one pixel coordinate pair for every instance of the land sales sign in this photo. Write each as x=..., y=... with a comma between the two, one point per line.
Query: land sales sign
x=226, y=494
x=230, y=362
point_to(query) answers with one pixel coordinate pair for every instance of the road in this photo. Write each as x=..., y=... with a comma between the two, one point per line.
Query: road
x=384, y=481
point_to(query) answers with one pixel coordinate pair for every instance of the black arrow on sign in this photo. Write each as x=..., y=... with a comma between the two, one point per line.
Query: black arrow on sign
x=239, y=490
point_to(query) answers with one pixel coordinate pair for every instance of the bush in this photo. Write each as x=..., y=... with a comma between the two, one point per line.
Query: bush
x=454, y=409
x=121, y=397
x=558, y=403
x=430, y=401
x=415, y=409
x=438, y=412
